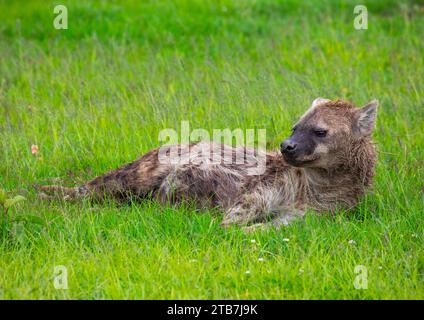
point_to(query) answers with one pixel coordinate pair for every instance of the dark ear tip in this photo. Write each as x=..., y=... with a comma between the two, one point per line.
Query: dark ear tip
x=374, y=102
x=370, y=106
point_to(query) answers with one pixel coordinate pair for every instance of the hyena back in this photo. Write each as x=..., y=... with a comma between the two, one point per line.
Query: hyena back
x=326, y=164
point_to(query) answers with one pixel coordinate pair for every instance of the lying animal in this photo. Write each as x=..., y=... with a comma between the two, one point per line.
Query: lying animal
x=326, y=164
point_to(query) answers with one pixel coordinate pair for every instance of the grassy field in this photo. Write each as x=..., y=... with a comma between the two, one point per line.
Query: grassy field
x=96, y=96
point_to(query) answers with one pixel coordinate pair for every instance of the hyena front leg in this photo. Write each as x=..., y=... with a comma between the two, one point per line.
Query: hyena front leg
x=287, y=216
x=283, y=219
x=241, y=214
x=253, y=207
x=266, y=206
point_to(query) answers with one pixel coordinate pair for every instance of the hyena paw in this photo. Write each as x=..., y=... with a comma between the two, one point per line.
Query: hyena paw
x=285, y=219
x=255, y=227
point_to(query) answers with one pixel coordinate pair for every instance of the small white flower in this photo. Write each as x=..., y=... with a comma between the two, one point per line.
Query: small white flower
x=352, y=242
x=286, y=239
x=261, y=259
x=301, y=270
x=247, y=271
x=380, y=268
x=253, y=241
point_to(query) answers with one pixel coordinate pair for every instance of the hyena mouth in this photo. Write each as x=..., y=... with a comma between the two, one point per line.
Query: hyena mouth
x=296, y=162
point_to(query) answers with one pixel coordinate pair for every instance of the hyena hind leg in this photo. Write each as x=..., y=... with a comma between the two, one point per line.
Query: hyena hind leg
x=58, y=192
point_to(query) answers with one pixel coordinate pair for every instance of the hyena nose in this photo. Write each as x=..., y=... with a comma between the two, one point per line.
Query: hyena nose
x=288, y=147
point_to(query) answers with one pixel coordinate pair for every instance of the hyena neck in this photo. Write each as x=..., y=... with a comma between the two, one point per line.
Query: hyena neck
x=341, y=187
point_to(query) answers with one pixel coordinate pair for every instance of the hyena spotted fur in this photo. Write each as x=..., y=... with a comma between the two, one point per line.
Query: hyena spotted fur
x=326, y=164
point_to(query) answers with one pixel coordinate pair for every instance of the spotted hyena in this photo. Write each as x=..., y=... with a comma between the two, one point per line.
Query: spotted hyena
x=327, y=163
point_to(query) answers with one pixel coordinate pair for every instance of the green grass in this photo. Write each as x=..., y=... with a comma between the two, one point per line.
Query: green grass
x=95, y=96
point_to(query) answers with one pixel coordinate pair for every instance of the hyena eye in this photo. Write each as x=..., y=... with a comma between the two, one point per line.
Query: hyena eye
x=320, y=133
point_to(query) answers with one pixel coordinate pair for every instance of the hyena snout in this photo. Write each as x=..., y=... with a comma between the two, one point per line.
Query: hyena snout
x=288, y=147
x=298, y=149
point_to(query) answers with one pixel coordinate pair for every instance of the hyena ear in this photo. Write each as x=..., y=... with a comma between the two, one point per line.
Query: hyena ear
x=318, y=101
x=364, y=121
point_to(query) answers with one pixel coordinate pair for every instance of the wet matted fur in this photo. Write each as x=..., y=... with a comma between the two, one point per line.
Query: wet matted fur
x=326, y=164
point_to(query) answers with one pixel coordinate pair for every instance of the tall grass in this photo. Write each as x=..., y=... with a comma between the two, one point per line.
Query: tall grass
x=95, y=96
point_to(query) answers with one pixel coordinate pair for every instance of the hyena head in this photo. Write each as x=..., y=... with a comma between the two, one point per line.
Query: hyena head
x=332, y=134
